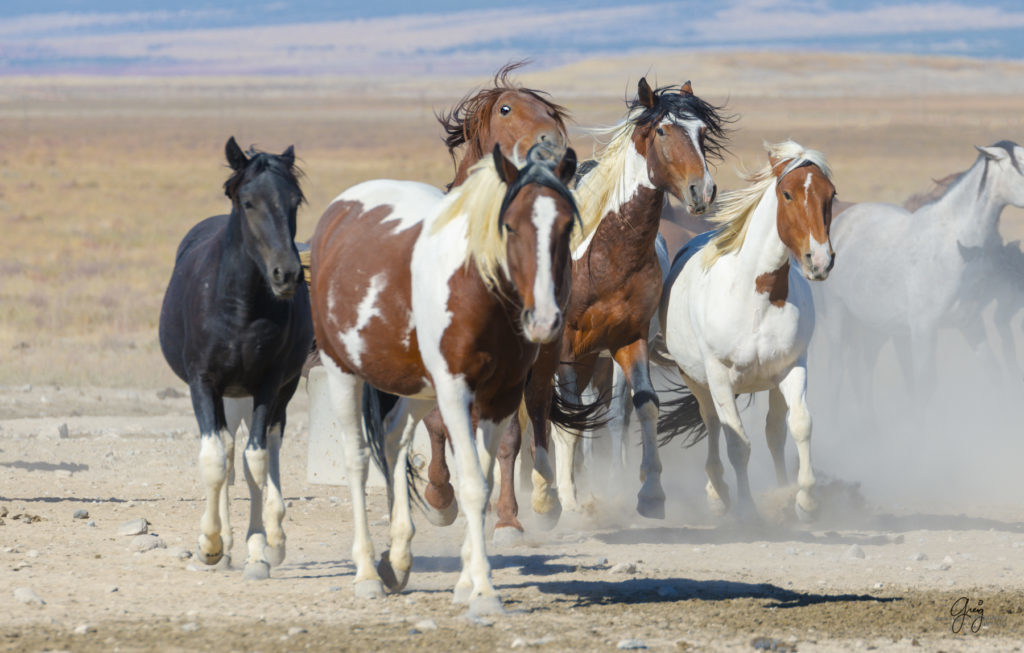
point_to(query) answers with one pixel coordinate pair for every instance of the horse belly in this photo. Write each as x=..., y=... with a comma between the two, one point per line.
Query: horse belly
x=362, y=308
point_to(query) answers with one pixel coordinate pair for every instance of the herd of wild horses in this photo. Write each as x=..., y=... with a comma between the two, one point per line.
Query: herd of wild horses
x=494, y=305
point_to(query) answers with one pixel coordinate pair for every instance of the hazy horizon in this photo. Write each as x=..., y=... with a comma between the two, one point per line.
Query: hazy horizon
x=458, y=37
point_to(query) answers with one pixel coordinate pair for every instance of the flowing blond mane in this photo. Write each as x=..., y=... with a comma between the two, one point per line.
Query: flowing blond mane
x=478, y=201
x=735, y=207
x=595, y=191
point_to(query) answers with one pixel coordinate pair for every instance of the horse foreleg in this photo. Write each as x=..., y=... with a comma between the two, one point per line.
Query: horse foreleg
x=508, y=530
x=736, y=441
x=209, y=410
x=346, y=396
x=537, y=396
x=794, y=389
x=273, y=503
x=633, y=361
x=236, y=411
x=775, y=434
x=441, y=509
x=474, y=584
x=565, y=441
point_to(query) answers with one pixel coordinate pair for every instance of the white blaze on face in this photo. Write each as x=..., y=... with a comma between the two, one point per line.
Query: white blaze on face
x=692, y=127
x=545, y=304
x=367, y=310
x=807, y=189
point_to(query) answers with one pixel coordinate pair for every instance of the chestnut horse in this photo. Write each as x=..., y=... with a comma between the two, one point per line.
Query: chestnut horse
x=737, y=319
x=444, y=297
x=235, y=325
x=660, y=148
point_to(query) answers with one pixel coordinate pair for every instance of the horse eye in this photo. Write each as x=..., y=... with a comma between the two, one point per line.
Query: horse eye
x=247, y=204
x=785, y=194
x=505, y=109
x=661, y=132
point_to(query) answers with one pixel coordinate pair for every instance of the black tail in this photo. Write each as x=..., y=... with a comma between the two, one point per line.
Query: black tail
x=578, y=417
x=376, y=406
x=681, y=416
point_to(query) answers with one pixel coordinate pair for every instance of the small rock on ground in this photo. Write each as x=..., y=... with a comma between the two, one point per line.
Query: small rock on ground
x=918, y=557
x=855, y=552
x=631, y=644
x=623, y=568
x=190, y=627
x=84, y=629
x=295, y=630
x=144, y=543
x=134, y=527
x=81, y=513
x=425, y=625
x=28, y=596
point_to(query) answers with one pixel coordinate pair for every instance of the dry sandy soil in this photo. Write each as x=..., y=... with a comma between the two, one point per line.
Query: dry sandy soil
x=99, y=179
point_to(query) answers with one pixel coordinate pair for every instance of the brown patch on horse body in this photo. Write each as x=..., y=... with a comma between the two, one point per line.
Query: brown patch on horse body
x=775, y=284
x=342, y=268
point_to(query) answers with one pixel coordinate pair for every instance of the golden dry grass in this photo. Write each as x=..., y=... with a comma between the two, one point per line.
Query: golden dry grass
x=100, y=178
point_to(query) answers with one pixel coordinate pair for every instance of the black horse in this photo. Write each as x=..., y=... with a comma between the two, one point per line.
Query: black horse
x=236, y=326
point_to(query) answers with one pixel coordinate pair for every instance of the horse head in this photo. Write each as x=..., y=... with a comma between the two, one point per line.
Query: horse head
x=1007, y=158
x=514, y=117
x=676, y=132
x=537, y=215
x=804, y=191
x=265, y=197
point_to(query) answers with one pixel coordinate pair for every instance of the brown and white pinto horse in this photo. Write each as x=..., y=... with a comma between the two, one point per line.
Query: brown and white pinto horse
x=660, y=148
x=442, y=297
x=738, y=319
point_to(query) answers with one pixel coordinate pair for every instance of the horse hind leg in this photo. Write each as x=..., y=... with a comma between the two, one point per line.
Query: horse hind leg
x=794, y=389
x=716, y=489
x=236, y=411
x=395, y=564
x=441, y=507
x=256, y=460
x=775, y=434
x=509, y=531
x=632, y=359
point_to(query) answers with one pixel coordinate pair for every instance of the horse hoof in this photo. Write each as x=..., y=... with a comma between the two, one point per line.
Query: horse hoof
x=507, y=536
x=258, y=570
x=443, y=517
x=486, y=606
x=274, y=554
x=369, y=590
x=394, y=580
x=651, y=507
x=548, y=520
x=806, y=513
x=462, y=593
x=208, y=558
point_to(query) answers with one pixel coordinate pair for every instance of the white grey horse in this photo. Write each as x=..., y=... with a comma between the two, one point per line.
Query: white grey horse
x=910, y=269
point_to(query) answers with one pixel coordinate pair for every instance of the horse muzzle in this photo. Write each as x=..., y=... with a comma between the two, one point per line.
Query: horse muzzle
x=700, y=197
x=285, y=279
x=817, y=265
x=541, y=329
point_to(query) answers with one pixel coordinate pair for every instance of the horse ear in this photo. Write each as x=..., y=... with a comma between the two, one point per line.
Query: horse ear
x=993, y=153
x=566, y=168
x=686, y=89
x=289, y=156
x=644, y=92
x=235, y=155
x=507, y=170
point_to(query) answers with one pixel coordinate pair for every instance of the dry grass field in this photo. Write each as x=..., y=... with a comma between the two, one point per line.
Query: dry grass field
x=101, y=177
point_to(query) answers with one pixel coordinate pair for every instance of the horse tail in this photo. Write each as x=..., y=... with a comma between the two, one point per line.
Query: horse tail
x=681, y=416
x=578, y=417
x=377, y=406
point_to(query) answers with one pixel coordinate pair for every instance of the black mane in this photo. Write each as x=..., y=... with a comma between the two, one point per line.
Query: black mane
x=260, y=162
x=669, y=101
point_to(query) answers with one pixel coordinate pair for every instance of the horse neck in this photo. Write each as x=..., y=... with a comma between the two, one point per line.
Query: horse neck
x=238, y=271
x=462, y=171
x=970, y=208
x=762, y=251
x=634, y=207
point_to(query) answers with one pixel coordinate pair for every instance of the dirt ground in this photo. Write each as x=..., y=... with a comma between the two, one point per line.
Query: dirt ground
x=100, y=178
x=688, y=582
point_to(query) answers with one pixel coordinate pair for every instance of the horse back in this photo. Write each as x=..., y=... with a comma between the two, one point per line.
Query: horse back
x=361, y=283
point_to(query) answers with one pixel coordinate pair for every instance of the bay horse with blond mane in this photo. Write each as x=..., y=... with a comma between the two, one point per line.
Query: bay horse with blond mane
x=446, y=298
x=738, y=319
x=661, y=147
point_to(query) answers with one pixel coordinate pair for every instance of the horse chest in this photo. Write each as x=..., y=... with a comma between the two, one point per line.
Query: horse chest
x=611, y=306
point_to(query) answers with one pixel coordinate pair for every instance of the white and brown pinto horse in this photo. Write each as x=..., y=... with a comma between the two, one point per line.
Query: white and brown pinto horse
x=444, y=297
x=738, y=319
x=659, y=148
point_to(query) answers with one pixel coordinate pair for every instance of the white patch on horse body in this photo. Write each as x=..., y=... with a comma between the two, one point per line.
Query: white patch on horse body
x=407, y=200
x=366, y=311
x=634, y=177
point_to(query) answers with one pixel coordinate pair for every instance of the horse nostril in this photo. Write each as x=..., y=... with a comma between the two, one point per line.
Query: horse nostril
x=807, y=257
x=276, y=274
